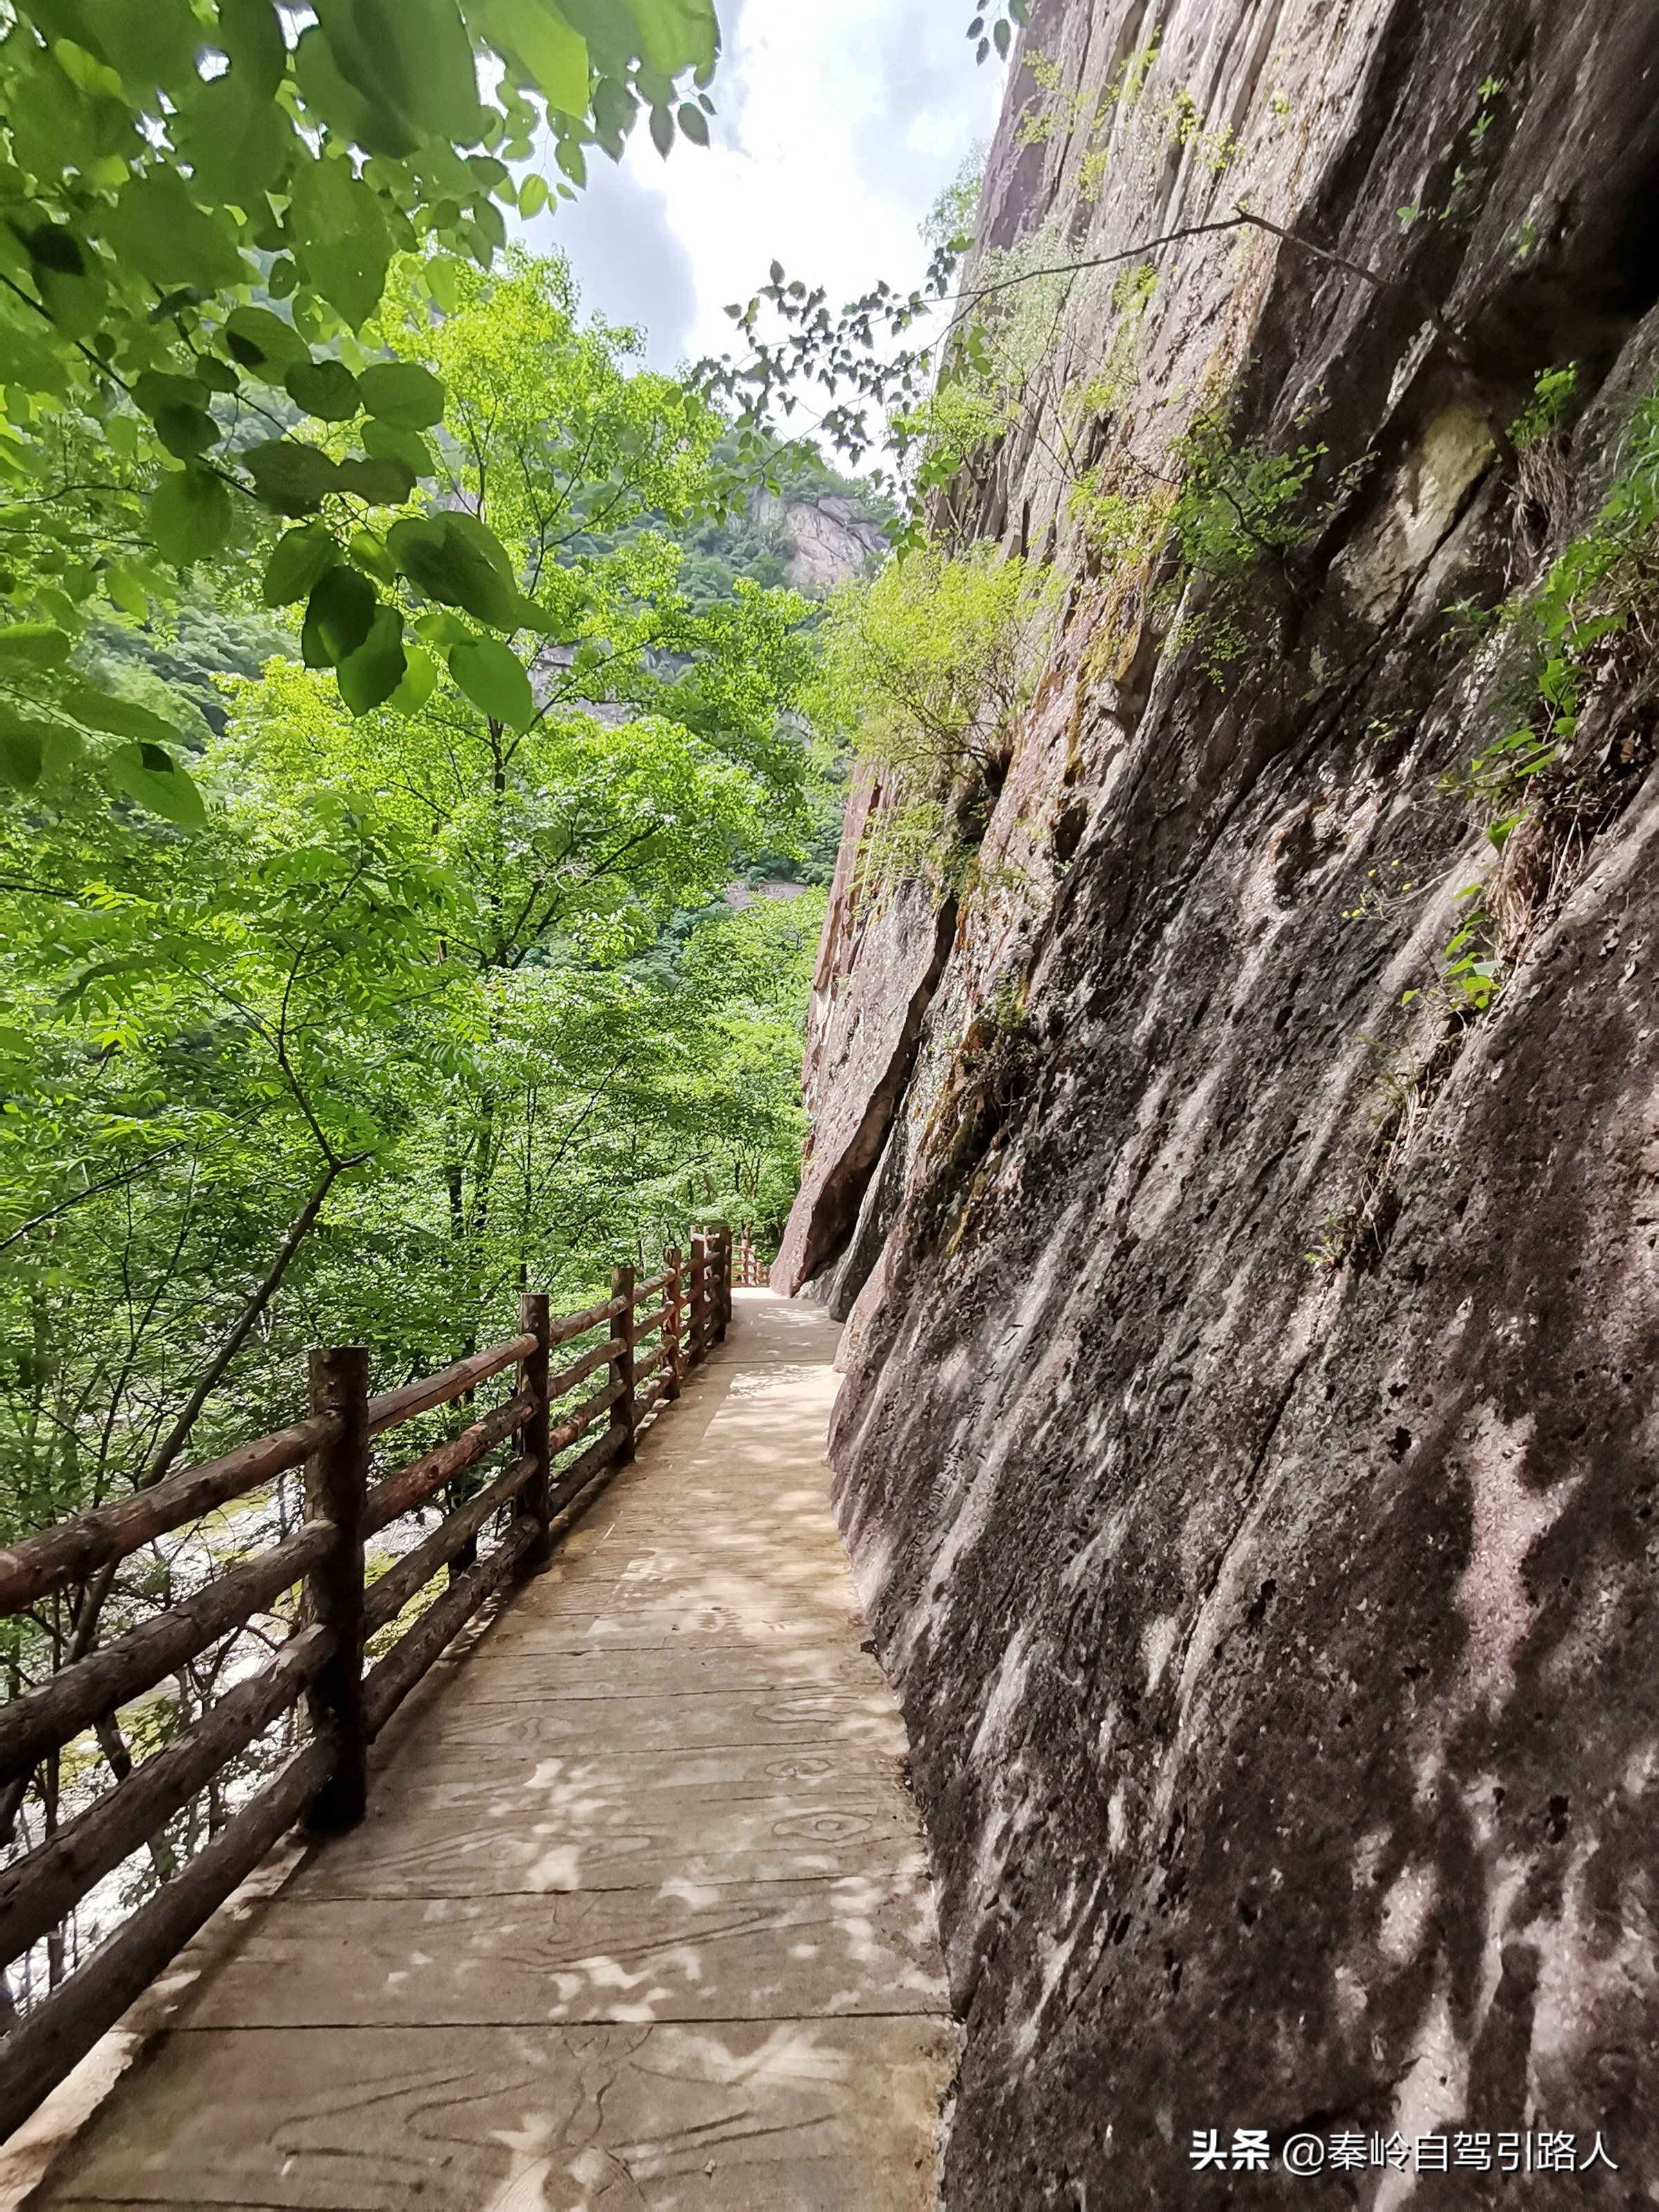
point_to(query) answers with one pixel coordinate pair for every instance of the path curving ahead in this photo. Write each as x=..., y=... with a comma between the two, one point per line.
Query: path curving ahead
x=639, y=1916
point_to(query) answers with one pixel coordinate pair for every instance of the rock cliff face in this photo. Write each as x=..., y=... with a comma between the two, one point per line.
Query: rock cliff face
x=827, y=539
x=1247, y=1448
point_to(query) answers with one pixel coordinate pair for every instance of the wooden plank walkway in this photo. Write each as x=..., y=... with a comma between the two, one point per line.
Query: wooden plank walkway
x=640, y=1915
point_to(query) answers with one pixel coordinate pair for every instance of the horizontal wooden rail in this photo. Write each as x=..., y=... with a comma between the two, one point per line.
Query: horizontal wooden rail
x=40, y=1890
x=571, y=1427
x=574, y=1479
x=529, y=1503
x=387, y=1598
x=394, y=1407
x=579, y=1324
x=579, y=1370
x=33, y=1725
x=390, y=1682
x=76, y=1548
x=58, y=2033
x=413, y=1484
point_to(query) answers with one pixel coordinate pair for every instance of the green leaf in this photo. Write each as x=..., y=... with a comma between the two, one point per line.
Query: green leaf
x=189, y=515
x=370, y=555
x=455, y=559
x=150, y=42
x=410, y=63
x=186, y=431
x=263, y=342
x=159, y=230
x=249, y=33
x=236, y=140
x=84, y=69
x=23, y=752
x=331, y=97
x=338, y=617
x=532, y=196
x=383, y=441
x=300, y=560
x=150, y=774
x=28, y=359
x=30, y=749
x=531, y=617
x=403, y=394
x=443, y=281
x=342, y=239
x=122, y=718
x=155, y=390
x=693, y=123
x=441, y=630
x=289, y=478
x=381, y=483
x=420, y=681
x=126, y=589
x=326, y=389
x=38, y=645
x=76, y=304
x=372, y=675
x=678, y=34
x=554, y=55
x=493, y=678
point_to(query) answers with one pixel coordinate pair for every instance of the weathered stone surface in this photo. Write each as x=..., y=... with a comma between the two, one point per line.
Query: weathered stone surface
x=1279, y=1640
x=828, y=539
x=883, y=946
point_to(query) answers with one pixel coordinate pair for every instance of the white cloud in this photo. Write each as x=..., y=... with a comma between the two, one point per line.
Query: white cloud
x=838, y=127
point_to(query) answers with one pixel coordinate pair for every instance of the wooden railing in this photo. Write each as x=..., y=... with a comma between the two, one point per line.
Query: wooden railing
x=531, y=1500
x=748, y=1267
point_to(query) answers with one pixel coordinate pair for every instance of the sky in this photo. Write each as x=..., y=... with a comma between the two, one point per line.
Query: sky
x=840, y=122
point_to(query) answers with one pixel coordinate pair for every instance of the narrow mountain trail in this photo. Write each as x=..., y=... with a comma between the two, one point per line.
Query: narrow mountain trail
x=640, y=1915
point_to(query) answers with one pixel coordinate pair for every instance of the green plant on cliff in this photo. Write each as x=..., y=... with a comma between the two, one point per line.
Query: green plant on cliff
x=924, y=668
x=1105, y=392
x=1470, y=168
x=998, y=367
x=924, y=665
x=1544, y=781
x=1177, y=119
x=1545, y=788
x=1240, y=509
x=1553, y=393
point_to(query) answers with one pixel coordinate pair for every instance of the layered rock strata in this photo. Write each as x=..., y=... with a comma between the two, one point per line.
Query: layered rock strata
x=1247, y=1452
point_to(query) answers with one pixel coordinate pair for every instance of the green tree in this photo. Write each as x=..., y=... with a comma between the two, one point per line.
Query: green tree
x=198, y=215
x=402, y=983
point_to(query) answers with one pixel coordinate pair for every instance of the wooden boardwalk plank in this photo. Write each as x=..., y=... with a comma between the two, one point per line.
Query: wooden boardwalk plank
x=640, y=1915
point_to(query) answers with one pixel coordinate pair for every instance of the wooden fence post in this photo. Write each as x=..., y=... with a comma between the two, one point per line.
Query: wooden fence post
x=722, y=1283
x=622, y=1369
x=536, y=1498
x=674, y=1322
x=336, y=1479
x=696, y=1344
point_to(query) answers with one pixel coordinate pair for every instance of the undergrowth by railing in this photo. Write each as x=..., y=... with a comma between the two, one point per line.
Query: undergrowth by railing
x=351, y=1650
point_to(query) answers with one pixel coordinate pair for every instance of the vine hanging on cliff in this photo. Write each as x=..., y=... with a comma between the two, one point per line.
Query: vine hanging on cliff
x=856, y=360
